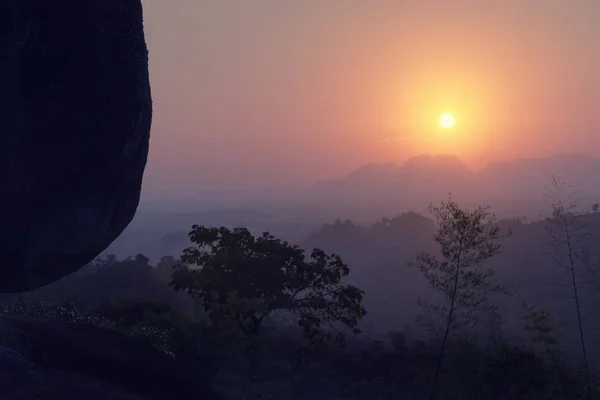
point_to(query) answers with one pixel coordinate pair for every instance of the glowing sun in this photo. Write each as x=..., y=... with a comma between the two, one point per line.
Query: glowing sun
x=447, y=120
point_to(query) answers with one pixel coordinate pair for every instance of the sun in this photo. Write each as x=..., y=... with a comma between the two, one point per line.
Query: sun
x=447, y=120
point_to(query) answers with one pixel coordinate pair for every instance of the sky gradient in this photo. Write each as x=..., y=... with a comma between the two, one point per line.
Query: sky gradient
x=271, y=93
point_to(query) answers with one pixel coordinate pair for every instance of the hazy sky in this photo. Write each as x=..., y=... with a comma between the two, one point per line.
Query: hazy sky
x=279, y=93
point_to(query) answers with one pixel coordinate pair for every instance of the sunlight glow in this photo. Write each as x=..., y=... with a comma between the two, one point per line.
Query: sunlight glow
x=447, y=120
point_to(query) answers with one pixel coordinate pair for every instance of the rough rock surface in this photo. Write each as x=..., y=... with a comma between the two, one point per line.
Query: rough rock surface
x=75, y=116
x=47, y=360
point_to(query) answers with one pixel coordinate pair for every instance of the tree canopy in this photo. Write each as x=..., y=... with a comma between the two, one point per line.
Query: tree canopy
x=235, y=275
x=467, y=240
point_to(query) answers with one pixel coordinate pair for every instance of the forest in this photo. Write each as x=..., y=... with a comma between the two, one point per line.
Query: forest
x=455, y=305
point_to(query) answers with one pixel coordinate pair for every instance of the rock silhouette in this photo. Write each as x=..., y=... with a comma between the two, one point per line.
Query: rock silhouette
x=75, y=117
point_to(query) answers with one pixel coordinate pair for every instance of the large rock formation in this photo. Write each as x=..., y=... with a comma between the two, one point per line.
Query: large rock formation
x=75, y=118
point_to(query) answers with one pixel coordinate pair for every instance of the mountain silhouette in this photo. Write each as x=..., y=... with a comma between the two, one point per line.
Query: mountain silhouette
x=426, y=178
x=529, y=176
x=391, y=179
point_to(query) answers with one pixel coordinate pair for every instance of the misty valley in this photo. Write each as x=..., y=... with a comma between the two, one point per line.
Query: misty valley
x=366, y=314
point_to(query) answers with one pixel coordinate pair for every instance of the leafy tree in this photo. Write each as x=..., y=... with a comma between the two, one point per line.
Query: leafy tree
x=467, y=240
x=243, y=278
x=595, y=207
x=539, y=327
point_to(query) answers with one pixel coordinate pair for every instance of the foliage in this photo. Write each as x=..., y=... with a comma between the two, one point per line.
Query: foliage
x=156, y=324
x=260, y=275
x=128, y=313
x=467, y=239
x=68, y=312
x=539, y=327
x=234, y=275
x=390, y=368
x=108, y=279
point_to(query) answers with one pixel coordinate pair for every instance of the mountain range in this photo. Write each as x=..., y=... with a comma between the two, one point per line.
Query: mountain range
x=430, y=178
x=513, y=188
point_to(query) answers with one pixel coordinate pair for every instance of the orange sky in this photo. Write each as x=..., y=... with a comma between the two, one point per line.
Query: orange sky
x=271, y=93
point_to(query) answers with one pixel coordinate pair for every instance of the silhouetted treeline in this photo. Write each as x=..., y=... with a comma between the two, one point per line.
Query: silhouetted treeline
x=528, y=350
x=107, y=279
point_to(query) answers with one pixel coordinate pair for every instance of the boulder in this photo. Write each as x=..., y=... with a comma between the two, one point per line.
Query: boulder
x=40, y=358
x=75, y=116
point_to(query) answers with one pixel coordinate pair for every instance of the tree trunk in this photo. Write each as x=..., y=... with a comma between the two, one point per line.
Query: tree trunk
x=578, y=308
x=445, y=339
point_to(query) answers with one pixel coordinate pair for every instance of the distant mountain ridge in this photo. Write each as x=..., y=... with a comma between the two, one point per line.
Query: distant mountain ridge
x=426, y=176
x=444, y=165
x=513, y=188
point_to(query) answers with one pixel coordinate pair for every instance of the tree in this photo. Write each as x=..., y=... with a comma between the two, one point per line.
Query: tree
x=595, y=207
x=567, y=235
x=467, y=240
x=164, y=268
x=243, y=278
x=539, y=327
